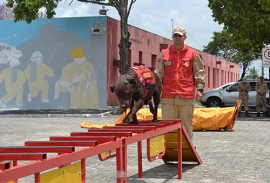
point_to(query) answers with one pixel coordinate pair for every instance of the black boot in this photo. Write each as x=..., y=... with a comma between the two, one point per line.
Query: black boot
x=247, y=115
x=265, y=114
x=258, y=114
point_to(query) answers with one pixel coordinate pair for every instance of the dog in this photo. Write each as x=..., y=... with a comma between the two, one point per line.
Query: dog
x=135, y=87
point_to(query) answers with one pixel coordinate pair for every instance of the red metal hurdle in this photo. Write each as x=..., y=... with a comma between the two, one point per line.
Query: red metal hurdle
x=161, y=127
x=93, y=142
x=63, y=157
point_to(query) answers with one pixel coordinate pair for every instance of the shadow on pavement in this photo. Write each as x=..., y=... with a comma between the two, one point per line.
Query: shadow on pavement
x=159, y=173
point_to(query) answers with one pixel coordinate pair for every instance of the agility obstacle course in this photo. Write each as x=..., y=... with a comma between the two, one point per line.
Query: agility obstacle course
x=204, y=119
x=49, y=160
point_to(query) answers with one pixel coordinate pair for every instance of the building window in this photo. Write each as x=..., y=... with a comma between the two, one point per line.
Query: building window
x=140, y=58
x=214, y=78
x=129, y=58
x=218, y=80
x=208, y=78
x=153, y=61
x=223, y=78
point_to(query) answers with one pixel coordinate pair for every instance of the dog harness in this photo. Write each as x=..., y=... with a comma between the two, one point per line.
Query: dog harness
x=146, y=78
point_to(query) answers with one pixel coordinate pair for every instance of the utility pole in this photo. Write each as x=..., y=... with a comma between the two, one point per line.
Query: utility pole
x=172, y=24
x=265, y=64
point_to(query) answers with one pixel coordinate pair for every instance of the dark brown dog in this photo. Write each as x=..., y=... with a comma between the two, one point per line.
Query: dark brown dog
x=136, y=87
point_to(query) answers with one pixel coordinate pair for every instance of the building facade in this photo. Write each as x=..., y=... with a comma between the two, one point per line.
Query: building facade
x=70, y=63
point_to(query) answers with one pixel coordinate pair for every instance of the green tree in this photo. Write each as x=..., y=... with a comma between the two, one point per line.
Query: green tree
x=28, y=10
x=246, y=20
x=253, y=73
x=222, y=46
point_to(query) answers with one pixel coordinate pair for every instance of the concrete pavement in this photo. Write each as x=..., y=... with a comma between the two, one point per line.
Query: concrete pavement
x=238, y=156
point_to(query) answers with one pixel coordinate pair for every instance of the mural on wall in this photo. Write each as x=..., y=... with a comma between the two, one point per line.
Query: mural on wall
x=12, y=76
x=35, y=74
x=79, y=80
x=53, y=64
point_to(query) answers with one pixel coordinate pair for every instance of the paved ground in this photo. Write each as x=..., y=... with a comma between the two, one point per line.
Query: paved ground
x=238, y=156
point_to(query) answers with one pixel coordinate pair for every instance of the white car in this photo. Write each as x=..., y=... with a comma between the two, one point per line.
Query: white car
x=227, y=95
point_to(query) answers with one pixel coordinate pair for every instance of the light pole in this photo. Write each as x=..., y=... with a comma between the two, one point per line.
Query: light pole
x=172, y=24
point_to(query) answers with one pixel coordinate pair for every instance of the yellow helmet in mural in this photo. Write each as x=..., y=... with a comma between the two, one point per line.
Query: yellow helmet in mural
x=77, y=53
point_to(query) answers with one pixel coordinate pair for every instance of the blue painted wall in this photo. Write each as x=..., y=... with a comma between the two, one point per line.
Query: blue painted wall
x=55, y=63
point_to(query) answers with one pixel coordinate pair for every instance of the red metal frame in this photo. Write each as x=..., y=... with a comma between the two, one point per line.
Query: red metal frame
x=193, y=148
x=118, y=130
x=111, y=154
x=67, y=158
x=95, y=142
x=4, y=165
x=22, y=156
x=146, y=128
x=116, y=134
x=32, y=149
x=61, y=143
x=161, y=128
x=99, y=140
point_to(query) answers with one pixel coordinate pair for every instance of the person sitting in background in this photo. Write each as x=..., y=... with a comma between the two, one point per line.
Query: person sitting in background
x=243, y=88
x=261, y=89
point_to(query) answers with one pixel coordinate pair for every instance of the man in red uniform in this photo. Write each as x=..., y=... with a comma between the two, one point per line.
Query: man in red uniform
x=182, y=74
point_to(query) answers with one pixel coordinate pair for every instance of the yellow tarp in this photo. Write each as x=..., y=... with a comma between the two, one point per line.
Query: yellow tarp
x=142, y=114
x=203, y=118
x=212, y=118
x=92, y=125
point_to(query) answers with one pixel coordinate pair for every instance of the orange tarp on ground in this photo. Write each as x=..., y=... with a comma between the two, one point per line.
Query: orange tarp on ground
x=212, y=118
x=215, y=118
x=92, y=125
x=203, y=118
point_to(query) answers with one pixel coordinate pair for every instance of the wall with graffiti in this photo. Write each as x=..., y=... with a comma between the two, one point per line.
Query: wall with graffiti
x=51, y=64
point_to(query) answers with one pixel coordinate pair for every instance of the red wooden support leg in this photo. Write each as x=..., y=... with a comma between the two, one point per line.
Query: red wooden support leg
x=121, y=176
x=139, y=145
x=179, y=153
x=119, y=164
x=15, y=163
x=37, y=177
x=83, y=170
x=125, y=160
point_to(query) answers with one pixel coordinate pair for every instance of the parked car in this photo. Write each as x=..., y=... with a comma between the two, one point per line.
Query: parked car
x=227, y=95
